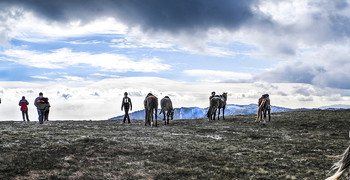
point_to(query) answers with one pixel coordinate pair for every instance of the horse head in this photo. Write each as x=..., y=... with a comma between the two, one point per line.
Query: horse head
x=224, y=95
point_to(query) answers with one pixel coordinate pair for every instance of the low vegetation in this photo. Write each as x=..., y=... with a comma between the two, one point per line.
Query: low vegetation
x=294, y=145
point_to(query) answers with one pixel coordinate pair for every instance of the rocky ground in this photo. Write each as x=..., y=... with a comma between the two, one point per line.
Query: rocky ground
x=294, y=145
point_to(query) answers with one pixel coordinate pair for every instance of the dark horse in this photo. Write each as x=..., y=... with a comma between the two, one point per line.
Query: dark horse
x=264, y=107
x=151, y=107
x=167, y=106
x=217, y=103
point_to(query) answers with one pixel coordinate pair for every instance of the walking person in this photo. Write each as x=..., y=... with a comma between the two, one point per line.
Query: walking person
x=126, y=104
x=40, y=105
x=24, y=108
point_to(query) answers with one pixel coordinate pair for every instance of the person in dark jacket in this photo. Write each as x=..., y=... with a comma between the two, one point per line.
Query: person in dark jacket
x=47, y=109
x=126, y=104
x=24, y=108
x=40, y=105
x=212, y=95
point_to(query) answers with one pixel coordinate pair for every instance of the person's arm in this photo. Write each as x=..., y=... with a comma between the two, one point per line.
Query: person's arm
x=36, y=102
x=122, y=104
x=19, y=104
x=27, y=102
x=130, y=104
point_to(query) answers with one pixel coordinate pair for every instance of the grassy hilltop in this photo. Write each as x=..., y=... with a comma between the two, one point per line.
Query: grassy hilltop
x=294, y=145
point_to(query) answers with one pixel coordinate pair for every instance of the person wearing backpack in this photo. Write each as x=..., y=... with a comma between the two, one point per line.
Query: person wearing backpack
x=24, y=108
x=47, y=109
x=126, y=104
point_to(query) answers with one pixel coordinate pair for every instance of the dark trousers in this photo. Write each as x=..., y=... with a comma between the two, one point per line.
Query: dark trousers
x=46, y=115
x=126, y=110
x=25, y=114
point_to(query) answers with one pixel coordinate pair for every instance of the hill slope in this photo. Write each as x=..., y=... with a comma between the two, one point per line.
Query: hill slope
x=294, y=145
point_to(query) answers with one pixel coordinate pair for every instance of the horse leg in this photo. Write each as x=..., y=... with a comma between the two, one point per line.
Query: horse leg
x=146, y=118
x=219, y=114
x=269, y=115
x=151, y=115
x=264, y=116
x=168, y=117
x=163, y=115
x=223, y=113
x=156, y=116
x=165, y=119
x=214, y=114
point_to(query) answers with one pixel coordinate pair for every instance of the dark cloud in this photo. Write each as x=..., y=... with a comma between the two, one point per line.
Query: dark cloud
x=291, y=73
x=305, y=99
x=305, y=91
x=321, y=74
x=155, y=15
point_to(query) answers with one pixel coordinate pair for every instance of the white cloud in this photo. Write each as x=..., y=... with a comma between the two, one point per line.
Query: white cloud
x=33, y=29
x=73, y=78
x=216, y=75
x=62, y=58
x=105, y=75
x=40, y=77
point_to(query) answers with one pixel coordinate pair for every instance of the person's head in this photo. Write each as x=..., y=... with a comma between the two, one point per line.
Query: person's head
x=213, y=93
x=41, y=94
x=23, y=97
x=125, y=94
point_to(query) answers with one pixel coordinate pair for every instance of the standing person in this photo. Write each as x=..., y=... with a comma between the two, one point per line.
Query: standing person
x=40, y=105
x=24, y=108
x=126, y=104
x=47, y=109
x=212, y=95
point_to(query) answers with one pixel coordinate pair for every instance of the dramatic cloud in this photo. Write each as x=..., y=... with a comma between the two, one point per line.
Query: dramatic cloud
x=156, y=15
x=327, y=66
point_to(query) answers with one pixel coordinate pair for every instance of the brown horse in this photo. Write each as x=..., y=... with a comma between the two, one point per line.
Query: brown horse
x=264, y=107
x=151, y=107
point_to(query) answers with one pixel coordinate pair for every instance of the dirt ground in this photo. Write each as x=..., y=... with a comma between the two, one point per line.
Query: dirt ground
x=294, y=145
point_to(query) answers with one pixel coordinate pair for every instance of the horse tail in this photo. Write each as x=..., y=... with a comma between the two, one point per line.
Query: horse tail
x=342, y=165
x=262, y=104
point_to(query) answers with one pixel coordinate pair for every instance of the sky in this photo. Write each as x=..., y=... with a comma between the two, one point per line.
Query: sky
x=84, y=54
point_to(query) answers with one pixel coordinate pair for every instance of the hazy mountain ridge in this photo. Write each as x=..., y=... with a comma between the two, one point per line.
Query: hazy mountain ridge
x=196, y=112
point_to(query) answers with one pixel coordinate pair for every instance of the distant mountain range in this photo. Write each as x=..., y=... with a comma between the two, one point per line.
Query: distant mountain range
x=336, y=106
x=196, y=113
